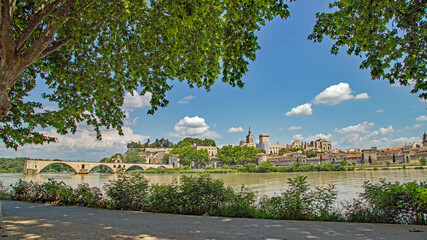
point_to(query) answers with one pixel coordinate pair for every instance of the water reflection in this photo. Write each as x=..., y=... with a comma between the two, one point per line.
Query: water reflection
x=348, y=184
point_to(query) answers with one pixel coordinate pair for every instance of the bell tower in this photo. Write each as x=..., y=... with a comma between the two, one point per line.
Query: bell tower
x=250, y=138
x=424, y=140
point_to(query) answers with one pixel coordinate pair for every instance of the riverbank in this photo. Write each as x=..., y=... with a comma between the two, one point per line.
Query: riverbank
x=268, y=168
x=23, y=220
x=9, y=165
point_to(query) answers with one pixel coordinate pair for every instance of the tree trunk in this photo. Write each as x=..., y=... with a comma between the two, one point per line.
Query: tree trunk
x=4, y=102
x=7, y=80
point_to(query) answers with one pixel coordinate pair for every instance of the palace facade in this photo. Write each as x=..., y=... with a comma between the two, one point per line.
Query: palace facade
x=320, y=145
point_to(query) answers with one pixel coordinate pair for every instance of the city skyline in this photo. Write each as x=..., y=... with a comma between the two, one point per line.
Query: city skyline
x=294, y=90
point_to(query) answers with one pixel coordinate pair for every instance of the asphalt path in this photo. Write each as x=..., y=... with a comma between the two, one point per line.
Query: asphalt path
x=23, y=220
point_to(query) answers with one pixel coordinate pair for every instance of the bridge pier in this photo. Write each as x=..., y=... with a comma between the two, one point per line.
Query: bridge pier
x=30, y=171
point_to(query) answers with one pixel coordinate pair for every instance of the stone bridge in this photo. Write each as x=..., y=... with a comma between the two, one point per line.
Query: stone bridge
x=35, y=166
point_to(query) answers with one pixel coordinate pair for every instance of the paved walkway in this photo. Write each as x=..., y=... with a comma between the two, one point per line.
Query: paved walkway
x=36, y=221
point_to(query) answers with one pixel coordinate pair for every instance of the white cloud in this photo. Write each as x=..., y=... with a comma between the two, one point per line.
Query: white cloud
x=298, y=137
x=310, y=138
x=421, y=118
x=136, y=101
x=414, y=127
x=332, y=95
x=186, y=99
x=358, y=136
x=189, y=97
x=379, y=133
x=361, y=96
x=384, y=131
x=380, y=110
x=304, y=109
x=335, y=94
x=193, y=127
x=293, y=128
x=129, y=122
x=82, y=145
x=359, y=128
x=380, y=138
x=235, y=130
x=368, y=141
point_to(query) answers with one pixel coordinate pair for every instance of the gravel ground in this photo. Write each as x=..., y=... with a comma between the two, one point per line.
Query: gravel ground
x=37, y=221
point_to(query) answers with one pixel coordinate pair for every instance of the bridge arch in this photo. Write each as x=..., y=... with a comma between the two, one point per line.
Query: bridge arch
x=104, y=165
x=51, y=163
x=131, y=167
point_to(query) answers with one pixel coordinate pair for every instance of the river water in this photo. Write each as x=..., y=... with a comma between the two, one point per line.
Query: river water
x=348, y=184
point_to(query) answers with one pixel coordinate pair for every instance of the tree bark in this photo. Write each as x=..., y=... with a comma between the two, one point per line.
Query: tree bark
x=4, y=99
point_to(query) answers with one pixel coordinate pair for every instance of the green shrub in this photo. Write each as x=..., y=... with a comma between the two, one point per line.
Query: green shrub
x=358, y=211
x=201, y=195
x=87, y=196
x=48, y=192
x=127, y=192
x=53, y=191
x=423, y=161
x=21, y=190
x=4, y=193
x=391, y=203
x=265, y=167
x=164, y=198
x=238, y=203
x=299, y=203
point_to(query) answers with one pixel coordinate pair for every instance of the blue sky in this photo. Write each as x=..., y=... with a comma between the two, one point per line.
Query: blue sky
x=294, y=90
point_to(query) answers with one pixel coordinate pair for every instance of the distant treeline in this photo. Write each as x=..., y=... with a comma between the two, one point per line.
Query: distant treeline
x=165, y=143
x=12, y=164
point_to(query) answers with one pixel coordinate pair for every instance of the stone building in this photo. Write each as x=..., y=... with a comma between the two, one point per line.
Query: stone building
x=424, y=142
x=250, y=140
x=296, y=144
x=264, y=143
x=369, y=155
x=174, y=161
x=212, y=150
x=408, y=153
x=155, y=155
x=275, y=147
x=321, y=145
